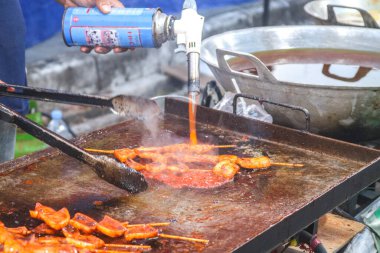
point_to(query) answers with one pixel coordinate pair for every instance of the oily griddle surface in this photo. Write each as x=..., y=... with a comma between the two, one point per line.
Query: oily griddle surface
x=228, y=216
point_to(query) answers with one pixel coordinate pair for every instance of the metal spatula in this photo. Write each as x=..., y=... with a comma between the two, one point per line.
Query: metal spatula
x=128, y=106
x=106, y=168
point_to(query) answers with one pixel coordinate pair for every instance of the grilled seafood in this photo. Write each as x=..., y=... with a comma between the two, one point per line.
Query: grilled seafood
x=85, y=242
x=140, y=232
x=124, y=154
x=226, y=168
x=55, y=219
x=186, y=163
x=70, y=231
x=262, y=162
x=174, y=148
x=83, y=223
x=183, y=148
x=44, y=229
x=22, y=240
x=110, y=227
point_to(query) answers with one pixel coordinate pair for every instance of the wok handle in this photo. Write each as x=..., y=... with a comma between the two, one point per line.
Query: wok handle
x=368, y=20
x=262, y=100
x=263, y=72
x=360, y=73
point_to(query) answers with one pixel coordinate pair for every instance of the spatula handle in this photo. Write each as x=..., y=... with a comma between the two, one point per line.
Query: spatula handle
x=53, y=95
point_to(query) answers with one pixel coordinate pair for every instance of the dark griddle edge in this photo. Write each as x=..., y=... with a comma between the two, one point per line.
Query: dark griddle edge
x=328, y=200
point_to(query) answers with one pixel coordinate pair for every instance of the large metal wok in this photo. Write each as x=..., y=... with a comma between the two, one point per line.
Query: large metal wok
x=363, y=13
x=348, y=112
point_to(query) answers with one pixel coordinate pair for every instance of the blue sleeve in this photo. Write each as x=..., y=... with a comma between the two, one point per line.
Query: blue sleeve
x=12, y=51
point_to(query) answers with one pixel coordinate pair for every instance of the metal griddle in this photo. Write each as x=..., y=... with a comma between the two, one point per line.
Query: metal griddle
x=254, y=213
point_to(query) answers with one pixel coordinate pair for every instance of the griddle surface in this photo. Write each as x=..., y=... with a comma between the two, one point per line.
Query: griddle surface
x=228, y=216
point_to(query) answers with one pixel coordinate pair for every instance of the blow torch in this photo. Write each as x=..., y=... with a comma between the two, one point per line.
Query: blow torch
x=139, y=27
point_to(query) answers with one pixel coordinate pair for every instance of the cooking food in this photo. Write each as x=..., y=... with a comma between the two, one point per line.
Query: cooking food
x=82, y=222
x=55, y=219
x=110, y=227
x=186, y=165
x=140, y=232
x=23, y=240
x=44, y=229
x=226, y=169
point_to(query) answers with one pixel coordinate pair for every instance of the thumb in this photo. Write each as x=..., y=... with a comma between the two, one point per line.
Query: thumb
x=104, y=6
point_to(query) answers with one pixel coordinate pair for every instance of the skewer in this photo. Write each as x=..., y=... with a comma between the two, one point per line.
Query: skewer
x=109, y=151
x=129, y=246
x=287, y=164
x=225, y=146
x=176, y=237
x=110, y=251
x=99, y=151
x=158, y=224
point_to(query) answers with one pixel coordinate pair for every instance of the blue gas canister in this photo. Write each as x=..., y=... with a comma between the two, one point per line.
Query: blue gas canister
x=127, y=28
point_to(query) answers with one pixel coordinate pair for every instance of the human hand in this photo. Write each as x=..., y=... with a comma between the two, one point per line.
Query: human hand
x=105, y=7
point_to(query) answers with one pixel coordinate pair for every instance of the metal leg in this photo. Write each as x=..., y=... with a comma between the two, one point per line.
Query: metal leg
x=7, y=141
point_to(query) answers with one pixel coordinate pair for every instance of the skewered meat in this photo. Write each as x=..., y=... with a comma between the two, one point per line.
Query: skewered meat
x=140, y=232
x=226, y=168
x=84, y=223
x=110, y=227
x=186, y=165
x=135, y=165
x=55, y=219
x=254, y=162
x=49, y=240
x=19, y=230
x=85, y=242
x=231, y=158
x=124, y=154
x=44, y=229
x=57, y=248
x=70, y=231
x=183, y=148
x=19, y=240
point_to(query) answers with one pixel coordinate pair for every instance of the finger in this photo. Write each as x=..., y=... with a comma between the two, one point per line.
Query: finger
x=118, y=50
x=86, y=50
x=69, y=3
x=117, y=4
x=102, y=50
x=104, y=6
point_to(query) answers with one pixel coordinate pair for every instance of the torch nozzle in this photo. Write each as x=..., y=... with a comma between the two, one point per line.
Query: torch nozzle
x=189, y=4
x=194, y=84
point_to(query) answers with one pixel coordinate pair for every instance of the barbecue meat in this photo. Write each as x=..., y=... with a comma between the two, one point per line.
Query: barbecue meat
x=140, y=232
x=110, y=227
x=226, y=168
x=85, y=224
x=55, y=219
x=85, y=242
x=44, y=229
x=70, y=231
x=124, y=154
x=261, y=162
